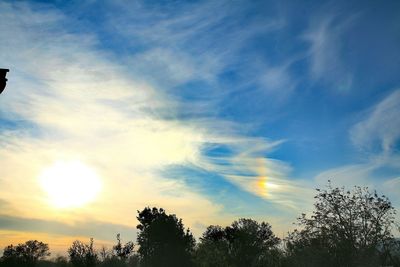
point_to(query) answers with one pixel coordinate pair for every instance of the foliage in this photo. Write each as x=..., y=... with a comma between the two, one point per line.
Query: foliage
x=347, y=228
x=123, y=252
x=245, y=243
x=27, y=254
x=213, y=249
x=61, y=261
x=249, y=241
x=120, y=255
x=82, y=255
x=163, y=240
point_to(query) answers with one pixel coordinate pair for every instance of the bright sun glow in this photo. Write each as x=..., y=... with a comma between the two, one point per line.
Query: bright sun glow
x=70, y=184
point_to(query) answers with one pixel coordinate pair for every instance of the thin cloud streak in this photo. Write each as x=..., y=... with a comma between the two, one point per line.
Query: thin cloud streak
x=192, y=42
x=382, y=125
x=325, y=37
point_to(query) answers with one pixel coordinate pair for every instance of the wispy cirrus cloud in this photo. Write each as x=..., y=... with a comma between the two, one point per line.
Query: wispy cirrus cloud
x=82, y=107
x=195, y=42
x=325, y=37
x=377, y=133
x=381, y=126
x=74, y=101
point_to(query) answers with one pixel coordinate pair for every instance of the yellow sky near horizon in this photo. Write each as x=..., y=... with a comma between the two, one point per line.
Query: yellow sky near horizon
x=58, y=244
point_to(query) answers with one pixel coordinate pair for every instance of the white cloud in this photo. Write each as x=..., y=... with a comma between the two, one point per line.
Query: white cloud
x=193, y=40
x=85, y=107
x=75, y=102
x=277, y=81
x=348, y=175
x=325, y=36
x=267, y=178
x=381, y=126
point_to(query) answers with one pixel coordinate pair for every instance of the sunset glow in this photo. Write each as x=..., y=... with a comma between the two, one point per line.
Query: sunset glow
x=211, y=110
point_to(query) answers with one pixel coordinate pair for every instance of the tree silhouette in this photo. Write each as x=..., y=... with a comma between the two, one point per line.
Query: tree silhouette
x=250, y=241
x=120, y=255
x=244, y=243
x=82, y=255
x=163, y=239
x=347, y=228
x=61, y=261
x=213, y=249
x=27, y=254
x=123, y=251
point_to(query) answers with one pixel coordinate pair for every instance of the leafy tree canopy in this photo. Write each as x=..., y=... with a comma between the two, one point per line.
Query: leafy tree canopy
x=82, y=255
x=163, y=240
x=244, y=243
x=346, y=228
x=27, y=254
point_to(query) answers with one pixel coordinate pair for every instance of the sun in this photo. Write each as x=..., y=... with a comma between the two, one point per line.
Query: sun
x=70, y=184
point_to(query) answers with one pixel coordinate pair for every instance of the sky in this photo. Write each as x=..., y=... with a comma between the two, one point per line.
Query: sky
x=212, y=110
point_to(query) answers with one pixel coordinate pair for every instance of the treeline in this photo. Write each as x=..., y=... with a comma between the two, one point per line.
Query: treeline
x=346, y=228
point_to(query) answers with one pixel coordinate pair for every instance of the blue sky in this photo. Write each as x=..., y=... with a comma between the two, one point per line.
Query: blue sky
x=214, y=110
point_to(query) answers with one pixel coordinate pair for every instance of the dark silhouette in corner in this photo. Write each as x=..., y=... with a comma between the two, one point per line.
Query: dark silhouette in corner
x=3, y=80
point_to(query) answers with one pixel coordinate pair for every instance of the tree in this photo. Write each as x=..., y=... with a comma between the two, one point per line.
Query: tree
x=123, y=251
x=244, y=243
x=346, y=228
x=163, y=239
x=104, y=254
x=27, y=254
x=213, y=249
x=119, y=256
x=10, y=256
x=61, y=261
x=82, y=255
x=250, y=241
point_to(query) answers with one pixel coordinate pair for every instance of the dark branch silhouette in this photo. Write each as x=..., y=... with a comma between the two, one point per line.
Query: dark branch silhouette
x=347, y=228
x=3, y=80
